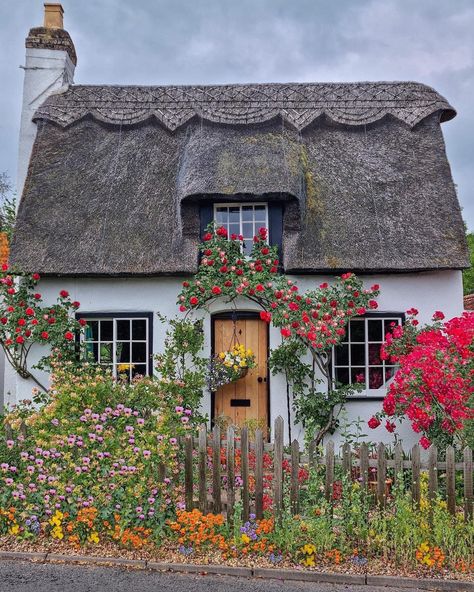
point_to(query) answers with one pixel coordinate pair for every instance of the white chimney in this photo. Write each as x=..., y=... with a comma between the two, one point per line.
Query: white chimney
x=49, y=65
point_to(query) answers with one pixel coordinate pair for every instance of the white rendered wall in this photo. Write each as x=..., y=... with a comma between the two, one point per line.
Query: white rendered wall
x=425, y=291
x=46, y=70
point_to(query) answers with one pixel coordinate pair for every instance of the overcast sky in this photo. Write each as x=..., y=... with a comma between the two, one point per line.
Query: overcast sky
x=221, y=41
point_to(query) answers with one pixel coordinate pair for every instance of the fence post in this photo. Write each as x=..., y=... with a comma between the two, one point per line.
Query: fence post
x=278, y=467
x=398, y=463
x=329, y=470
x=415, y=470
x=467, y=483
x=188, y=472
x=347, y=460
x=381, y=474
x=216, y=470
x=450, y=479
x=244, y=463
x=295, y=466
x=230, y=474
x=364, y=464
x=259, y=474
x=202, y=468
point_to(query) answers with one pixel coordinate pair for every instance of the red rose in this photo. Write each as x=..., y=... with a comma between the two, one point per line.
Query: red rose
x=185, y=284
x=221, y=231
x=36, y=276
x=45, y=335
x=182, y=308
x=76, y=304
x=193, y=300
x=21, y=322
x=64, y=293
x=227, y=283
x=285, y=332
x=216, y=290
x=82, y=322
x=28, y=333
x=69, y=336
x=273, y=269
x=207, y=252
x=11, y=291
x=207, y=236
x=390, y=426
x=375, y=288
x=361, y=311
x=262, y=233
x=37, y=296
x=4, y=266
x=223, y=269
x=425, y=442
x=438, y=316
x=412, y=312
x=51, y=320
x=4, y=320
x=323, y=286
x=259, y=288
x=374, y=422
x=30, y=312
x=265, y=251
x=266, y=316
x=239, y=271
x=346, y=276
x=20, y=339
x=373, y=304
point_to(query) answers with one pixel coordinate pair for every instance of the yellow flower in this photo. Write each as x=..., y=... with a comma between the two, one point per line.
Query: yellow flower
x=93, y=537
x=15, y=529
x=222, y=355
x=309, y=561
x=245, y=539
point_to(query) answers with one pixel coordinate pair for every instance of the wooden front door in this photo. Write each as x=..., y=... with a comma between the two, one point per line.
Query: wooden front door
x=247, y=398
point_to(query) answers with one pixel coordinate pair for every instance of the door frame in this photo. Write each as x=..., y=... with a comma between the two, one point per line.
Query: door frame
x=239, y=314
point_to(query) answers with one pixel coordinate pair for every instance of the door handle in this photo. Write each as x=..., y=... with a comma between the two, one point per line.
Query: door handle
x=260, y=379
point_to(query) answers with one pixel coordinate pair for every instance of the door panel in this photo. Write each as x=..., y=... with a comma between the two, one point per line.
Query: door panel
x=247, y=398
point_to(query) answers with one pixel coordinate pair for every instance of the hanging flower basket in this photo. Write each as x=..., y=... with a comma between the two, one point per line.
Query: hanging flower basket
x=229, y=366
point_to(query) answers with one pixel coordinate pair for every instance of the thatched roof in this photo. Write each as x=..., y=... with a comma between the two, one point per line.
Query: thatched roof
x=117, y=174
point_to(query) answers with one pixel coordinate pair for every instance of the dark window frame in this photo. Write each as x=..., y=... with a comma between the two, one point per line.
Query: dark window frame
x=369, y=315
x=126, y=315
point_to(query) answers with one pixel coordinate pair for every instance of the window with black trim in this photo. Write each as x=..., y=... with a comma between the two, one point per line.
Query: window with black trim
x=357, y=358
x=119, y=342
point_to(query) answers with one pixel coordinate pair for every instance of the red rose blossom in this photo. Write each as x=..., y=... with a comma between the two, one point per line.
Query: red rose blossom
x=266, y=316
x=69, y=336
x=216, y=290
x=36, y=276
x=374, y=422
x=44, y=335
x=64, y=293
x=193, y=300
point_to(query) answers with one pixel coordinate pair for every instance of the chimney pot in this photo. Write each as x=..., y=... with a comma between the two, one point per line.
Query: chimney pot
x=53, y=16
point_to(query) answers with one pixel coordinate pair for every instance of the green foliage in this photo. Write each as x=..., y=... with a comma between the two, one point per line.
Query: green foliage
x=468, y=274
x=7, y=206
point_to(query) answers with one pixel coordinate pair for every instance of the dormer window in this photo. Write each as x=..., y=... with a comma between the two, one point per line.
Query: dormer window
x=242, y=219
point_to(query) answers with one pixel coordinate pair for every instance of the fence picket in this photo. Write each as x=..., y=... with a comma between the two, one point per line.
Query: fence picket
x=259, y=474
x=398, y=463
x=295, y=466
x=347, y=460
x=329, y=470
x=278, y=466
x=364, y=464
x=202, y=468
x=188, y=472
x=450, y=480
x=432, y=472
x=415, y=470
x=230, y=474
x=467, y=483
x=381, y=474
x=216, y=470
x=244, y=463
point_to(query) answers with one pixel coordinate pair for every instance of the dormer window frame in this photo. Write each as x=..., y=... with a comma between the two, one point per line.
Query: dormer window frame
x=256, y=224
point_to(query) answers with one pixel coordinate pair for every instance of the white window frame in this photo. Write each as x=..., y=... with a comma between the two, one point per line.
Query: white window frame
x=240, y=205
x=367, y=392
x=114, y=320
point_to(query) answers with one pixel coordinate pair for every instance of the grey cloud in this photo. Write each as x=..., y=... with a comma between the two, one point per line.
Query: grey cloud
x=218, y=41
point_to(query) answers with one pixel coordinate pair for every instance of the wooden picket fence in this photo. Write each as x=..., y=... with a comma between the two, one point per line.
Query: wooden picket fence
x=217, y=498
x=205, y=490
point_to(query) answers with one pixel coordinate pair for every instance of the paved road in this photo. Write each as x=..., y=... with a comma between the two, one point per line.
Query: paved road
x=17, y=576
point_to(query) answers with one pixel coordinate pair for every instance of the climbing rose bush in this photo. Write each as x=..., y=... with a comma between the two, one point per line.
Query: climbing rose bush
x=318, y=317
x=24, y=320
x=435, y=380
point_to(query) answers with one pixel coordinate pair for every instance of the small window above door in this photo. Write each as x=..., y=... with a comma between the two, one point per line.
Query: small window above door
x=242, y=219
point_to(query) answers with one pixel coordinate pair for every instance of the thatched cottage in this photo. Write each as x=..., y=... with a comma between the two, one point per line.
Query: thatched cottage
x=118, y=183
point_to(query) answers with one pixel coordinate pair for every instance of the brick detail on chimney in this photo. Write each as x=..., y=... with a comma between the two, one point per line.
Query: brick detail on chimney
x=42, y=38
x=53, y=16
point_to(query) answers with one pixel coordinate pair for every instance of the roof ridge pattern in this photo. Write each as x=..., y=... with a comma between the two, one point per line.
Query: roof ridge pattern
x=297, y=103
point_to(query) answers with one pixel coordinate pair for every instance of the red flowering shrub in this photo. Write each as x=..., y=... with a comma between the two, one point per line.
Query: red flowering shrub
x=25, y=321
x=435, y=381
